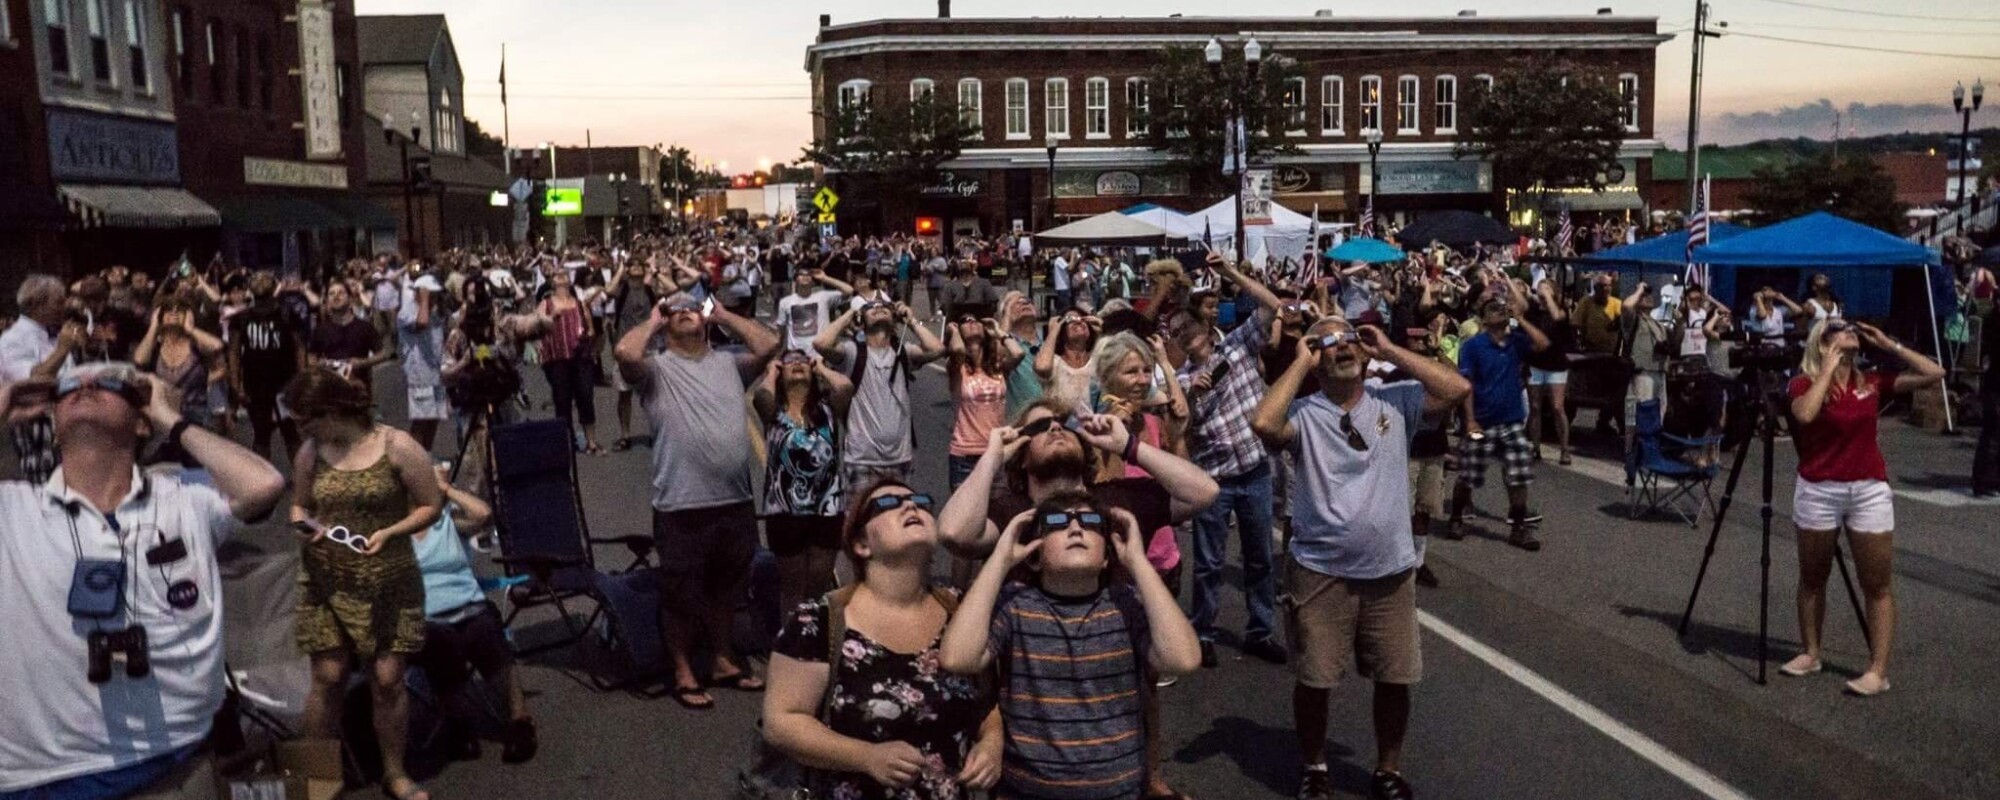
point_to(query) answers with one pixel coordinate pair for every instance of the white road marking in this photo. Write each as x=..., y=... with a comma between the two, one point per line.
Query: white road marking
x=1695, y=777
x=1613, y=472
x=1948, y=498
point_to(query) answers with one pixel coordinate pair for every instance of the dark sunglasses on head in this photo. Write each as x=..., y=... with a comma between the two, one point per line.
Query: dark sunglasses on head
x=1041, y=426
x=134, y=393
x=882, y=504
x=1059, y=520
x=1354, y=439
x=1325, y=341
x=684, y=304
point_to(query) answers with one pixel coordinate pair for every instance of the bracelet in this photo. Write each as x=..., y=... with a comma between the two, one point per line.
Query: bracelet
x=174, y=433
x=1131, y=448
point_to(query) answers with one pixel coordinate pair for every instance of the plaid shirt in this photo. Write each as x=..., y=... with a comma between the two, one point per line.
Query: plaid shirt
x=1219, y=434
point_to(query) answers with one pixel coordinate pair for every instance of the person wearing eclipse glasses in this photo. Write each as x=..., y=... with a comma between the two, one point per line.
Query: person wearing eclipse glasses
x=135, y=555
x=703, y=519
x=1347, y=585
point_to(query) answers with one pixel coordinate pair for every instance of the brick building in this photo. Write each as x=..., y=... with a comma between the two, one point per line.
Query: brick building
x=414, y=94
x=621, y=187
x=1073, y=82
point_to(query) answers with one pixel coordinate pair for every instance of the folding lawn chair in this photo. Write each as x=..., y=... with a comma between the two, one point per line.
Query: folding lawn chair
x=1655, y=476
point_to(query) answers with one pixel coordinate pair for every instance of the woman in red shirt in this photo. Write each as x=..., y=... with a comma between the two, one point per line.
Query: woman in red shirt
x=1844, y=483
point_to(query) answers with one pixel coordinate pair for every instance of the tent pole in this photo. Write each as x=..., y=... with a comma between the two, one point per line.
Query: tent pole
x=1937, y=346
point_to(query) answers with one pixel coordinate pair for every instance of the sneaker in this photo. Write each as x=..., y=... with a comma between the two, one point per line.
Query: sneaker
x=1387, y=785
x=1425, y=577
x=1165, y=681
x=1532, y=518
x=1315, y=784
x=1524, y=538
x=1208, y=655
x=1267, y=649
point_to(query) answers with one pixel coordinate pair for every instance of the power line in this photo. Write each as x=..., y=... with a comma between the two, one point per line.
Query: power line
x=1891, y=14
x=1839, y=46
x=1850, y=29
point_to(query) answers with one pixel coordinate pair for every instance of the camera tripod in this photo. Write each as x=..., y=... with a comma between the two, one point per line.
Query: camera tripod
x=1767, y=411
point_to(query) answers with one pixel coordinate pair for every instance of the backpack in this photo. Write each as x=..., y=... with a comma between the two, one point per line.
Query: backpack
x=773, y=775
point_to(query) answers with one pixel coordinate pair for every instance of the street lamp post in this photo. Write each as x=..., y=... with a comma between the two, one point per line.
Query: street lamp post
x=409, y=206
x=1959, y=105
x=1374, y=138
x=1236, y=106
x=1049, y=219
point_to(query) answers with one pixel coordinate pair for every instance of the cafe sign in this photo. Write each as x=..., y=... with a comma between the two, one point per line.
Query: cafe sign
x=952, y=184
x=1118, y=183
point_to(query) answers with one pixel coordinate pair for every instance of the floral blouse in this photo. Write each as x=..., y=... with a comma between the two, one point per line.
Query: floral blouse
x=881, y=695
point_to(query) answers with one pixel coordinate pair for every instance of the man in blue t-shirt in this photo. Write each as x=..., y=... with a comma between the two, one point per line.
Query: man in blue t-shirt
x=1497, y=413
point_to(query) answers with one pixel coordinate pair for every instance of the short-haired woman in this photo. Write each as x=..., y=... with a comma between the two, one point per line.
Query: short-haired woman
x=1844, y=483
x=361, y=490
x=894, y=723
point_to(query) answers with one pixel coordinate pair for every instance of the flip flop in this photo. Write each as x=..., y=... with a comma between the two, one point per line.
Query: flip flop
x=685, y=695
x=1855, y=689
x=1800, y=672
x=741, y=681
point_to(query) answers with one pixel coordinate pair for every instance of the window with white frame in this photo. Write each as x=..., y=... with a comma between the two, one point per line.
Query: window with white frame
x=1445, y=93
x=969, y=106
x=921, y=88
x=1406, y=104
x=6, y=27
x=97, y=22
x=1332, y=104
x=1017, y=108
x=55, y=16
x=1371, y=103
x=1055, y=93
x=1097, y=108
x=1485, y=82
x=1628, y=89
x=1178, y=99
x=1295, y=106
x=1138, y=103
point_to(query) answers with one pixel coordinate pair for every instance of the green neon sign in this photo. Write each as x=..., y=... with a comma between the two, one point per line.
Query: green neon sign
x=563, y=203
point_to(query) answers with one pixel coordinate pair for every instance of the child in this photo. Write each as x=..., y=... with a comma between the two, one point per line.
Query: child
x=1077, y=646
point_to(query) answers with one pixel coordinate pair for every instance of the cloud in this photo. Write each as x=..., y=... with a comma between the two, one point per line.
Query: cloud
x=1815, y=121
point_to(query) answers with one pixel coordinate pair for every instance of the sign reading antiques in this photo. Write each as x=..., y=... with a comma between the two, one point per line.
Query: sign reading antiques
x=277, y=172
x=101, y=148
x=318, y=79
x=952, y=184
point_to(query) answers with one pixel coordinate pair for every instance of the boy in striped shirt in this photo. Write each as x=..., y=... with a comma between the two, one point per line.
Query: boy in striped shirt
x=1078, y=642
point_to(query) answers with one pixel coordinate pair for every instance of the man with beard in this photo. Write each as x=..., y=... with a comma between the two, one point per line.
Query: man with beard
x=342, y=340
x=702, y=516
x=1348, y=585
x=1049, y=450
x=878, y=440
x=264, y=355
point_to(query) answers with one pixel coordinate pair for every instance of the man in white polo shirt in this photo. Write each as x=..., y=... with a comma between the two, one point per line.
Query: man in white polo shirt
x=112, y=671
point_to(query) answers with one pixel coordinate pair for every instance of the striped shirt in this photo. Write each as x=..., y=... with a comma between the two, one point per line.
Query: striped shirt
x=1072, y=694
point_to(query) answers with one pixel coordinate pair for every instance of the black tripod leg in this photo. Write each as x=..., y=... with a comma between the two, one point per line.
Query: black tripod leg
x=1714, y=531
x=1852, y=598
x=1768, y=434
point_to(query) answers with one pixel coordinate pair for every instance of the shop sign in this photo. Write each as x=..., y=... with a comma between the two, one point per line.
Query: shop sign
x=107, y=149
x=952, y=184
x=1434, y=177
x=319, y=81
x=1291, y=180
x=1256, y=197
x=276, y=172
x=1118, y=183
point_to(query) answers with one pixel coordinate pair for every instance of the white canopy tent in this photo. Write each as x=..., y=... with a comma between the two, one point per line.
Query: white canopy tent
x=1288, y=236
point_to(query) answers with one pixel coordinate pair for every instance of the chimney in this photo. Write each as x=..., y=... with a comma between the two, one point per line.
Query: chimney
x=944, y=9
x=1470, y=12
x=1604, y=12
x=826, y=20
x=1324, y=13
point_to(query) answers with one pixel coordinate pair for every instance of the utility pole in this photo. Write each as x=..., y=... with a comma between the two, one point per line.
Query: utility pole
x=1701, y=34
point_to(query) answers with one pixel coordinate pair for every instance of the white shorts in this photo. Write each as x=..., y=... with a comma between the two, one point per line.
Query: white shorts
x=1858, y=506
x=1542, y=377
x=426, y=402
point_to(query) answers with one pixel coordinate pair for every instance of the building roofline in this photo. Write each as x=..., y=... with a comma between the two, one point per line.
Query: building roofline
x=1287, y=18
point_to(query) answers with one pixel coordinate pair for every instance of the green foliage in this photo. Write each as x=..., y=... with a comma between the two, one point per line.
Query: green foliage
x=1855, y=188
x=1544, y=124
x=896, y=146
x=482, y=145
x=1188, y=111
x=680, y=172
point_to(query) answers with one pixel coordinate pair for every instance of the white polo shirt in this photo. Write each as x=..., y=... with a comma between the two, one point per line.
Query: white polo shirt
x=59, y=724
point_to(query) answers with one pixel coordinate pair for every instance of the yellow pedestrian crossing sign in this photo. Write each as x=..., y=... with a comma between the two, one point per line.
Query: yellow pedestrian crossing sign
x=825, y=200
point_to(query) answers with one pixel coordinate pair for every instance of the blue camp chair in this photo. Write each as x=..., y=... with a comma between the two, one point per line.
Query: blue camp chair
x=545, y=539
x=1655, y=476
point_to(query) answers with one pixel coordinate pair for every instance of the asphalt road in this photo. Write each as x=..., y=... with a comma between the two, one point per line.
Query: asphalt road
x=1556, y=674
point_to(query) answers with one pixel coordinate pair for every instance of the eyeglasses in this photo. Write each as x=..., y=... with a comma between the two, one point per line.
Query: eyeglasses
x=339, y=534
x=1354, y=439
x=1831, y=326
x=1058, y=520
x=873, y=305
x=135, y=393
x=883, y=504
x=1332, y=340
x=795, y=357
x=1043, y=425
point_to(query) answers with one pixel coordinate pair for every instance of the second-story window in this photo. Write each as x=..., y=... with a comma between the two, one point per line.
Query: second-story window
x=183, y=66
x=212, y=42
x=921, y=88
x=1628, y=89
x=1097, y=109
x=1332, y=104
x=1406, y=104
x=55, y=14
x=1371, y=103
x=1445, y=93
x=1056, y=92
x=970, y=110
x=98, y=24
x=241, y=47
x=267, y=73
x=1138, y=104
x=1295, y=106
x=135, y=45
x=1017, y=108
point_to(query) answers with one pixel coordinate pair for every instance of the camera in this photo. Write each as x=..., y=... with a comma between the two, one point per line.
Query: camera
x=130, y=642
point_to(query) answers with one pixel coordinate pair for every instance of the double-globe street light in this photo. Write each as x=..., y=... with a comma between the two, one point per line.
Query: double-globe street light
x=1236, y=102
x=1964, y=110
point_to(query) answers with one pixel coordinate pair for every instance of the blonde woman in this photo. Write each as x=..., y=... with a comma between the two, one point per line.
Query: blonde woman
x=1844, y=483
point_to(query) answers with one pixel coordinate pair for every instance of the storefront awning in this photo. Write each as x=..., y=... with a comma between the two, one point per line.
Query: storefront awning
x=138, y=207
x=276, y=213
x=360, y=213
x=25, y=208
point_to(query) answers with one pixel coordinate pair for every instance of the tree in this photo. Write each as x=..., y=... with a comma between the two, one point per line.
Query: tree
x=1856, y=188
x=896, y=146
x=1187, y=111
x=1544, y=125
x=482, y=145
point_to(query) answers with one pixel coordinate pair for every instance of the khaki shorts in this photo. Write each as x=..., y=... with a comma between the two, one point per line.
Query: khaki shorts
x=1331, y=621
x=1427, y=487
x=1644, y=386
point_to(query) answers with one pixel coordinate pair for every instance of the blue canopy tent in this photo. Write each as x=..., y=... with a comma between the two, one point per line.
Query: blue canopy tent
x=1373, y=251
x=1653, y=254
x=1822, y=240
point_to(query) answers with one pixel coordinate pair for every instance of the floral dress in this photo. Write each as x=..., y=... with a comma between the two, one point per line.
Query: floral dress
x=880, y=695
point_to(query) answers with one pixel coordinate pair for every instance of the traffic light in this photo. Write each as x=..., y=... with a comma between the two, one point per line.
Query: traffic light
x=928, y=226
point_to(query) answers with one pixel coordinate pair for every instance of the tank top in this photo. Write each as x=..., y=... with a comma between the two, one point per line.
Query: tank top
x=1070, y=384
x=802, y=465
x=981, y=406
x=566, y=332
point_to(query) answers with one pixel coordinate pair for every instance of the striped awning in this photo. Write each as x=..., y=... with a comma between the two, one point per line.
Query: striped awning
x=138, y=207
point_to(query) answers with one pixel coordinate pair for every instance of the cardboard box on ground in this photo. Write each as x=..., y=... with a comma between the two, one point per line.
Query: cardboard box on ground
x=307, y=769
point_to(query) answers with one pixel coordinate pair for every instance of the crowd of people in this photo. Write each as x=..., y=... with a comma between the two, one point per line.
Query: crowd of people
x=1018, y=634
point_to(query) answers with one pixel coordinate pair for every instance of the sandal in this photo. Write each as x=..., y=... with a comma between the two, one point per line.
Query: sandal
x=685, y=695
x=741, y=681
x=1390, y=786
x=411, y=789
x=1800, y=666
x=1858, y=689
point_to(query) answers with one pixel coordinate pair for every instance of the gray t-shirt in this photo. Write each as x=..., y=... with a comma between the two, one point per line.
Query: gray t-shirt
x=701, y=445
x=878, y=421
x=802, y=318
x=1351, y=511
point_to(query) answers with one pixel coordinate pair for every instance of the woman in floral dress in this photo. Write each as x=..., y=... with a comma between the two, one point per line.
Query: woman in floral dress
x=895, y=724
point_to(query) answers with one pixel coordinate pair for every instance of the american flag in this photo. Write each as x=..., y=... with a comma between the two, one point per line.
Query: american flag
x=1697, y=225
x=1367, y=226
x=1309, y=268
x=1565, y=233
